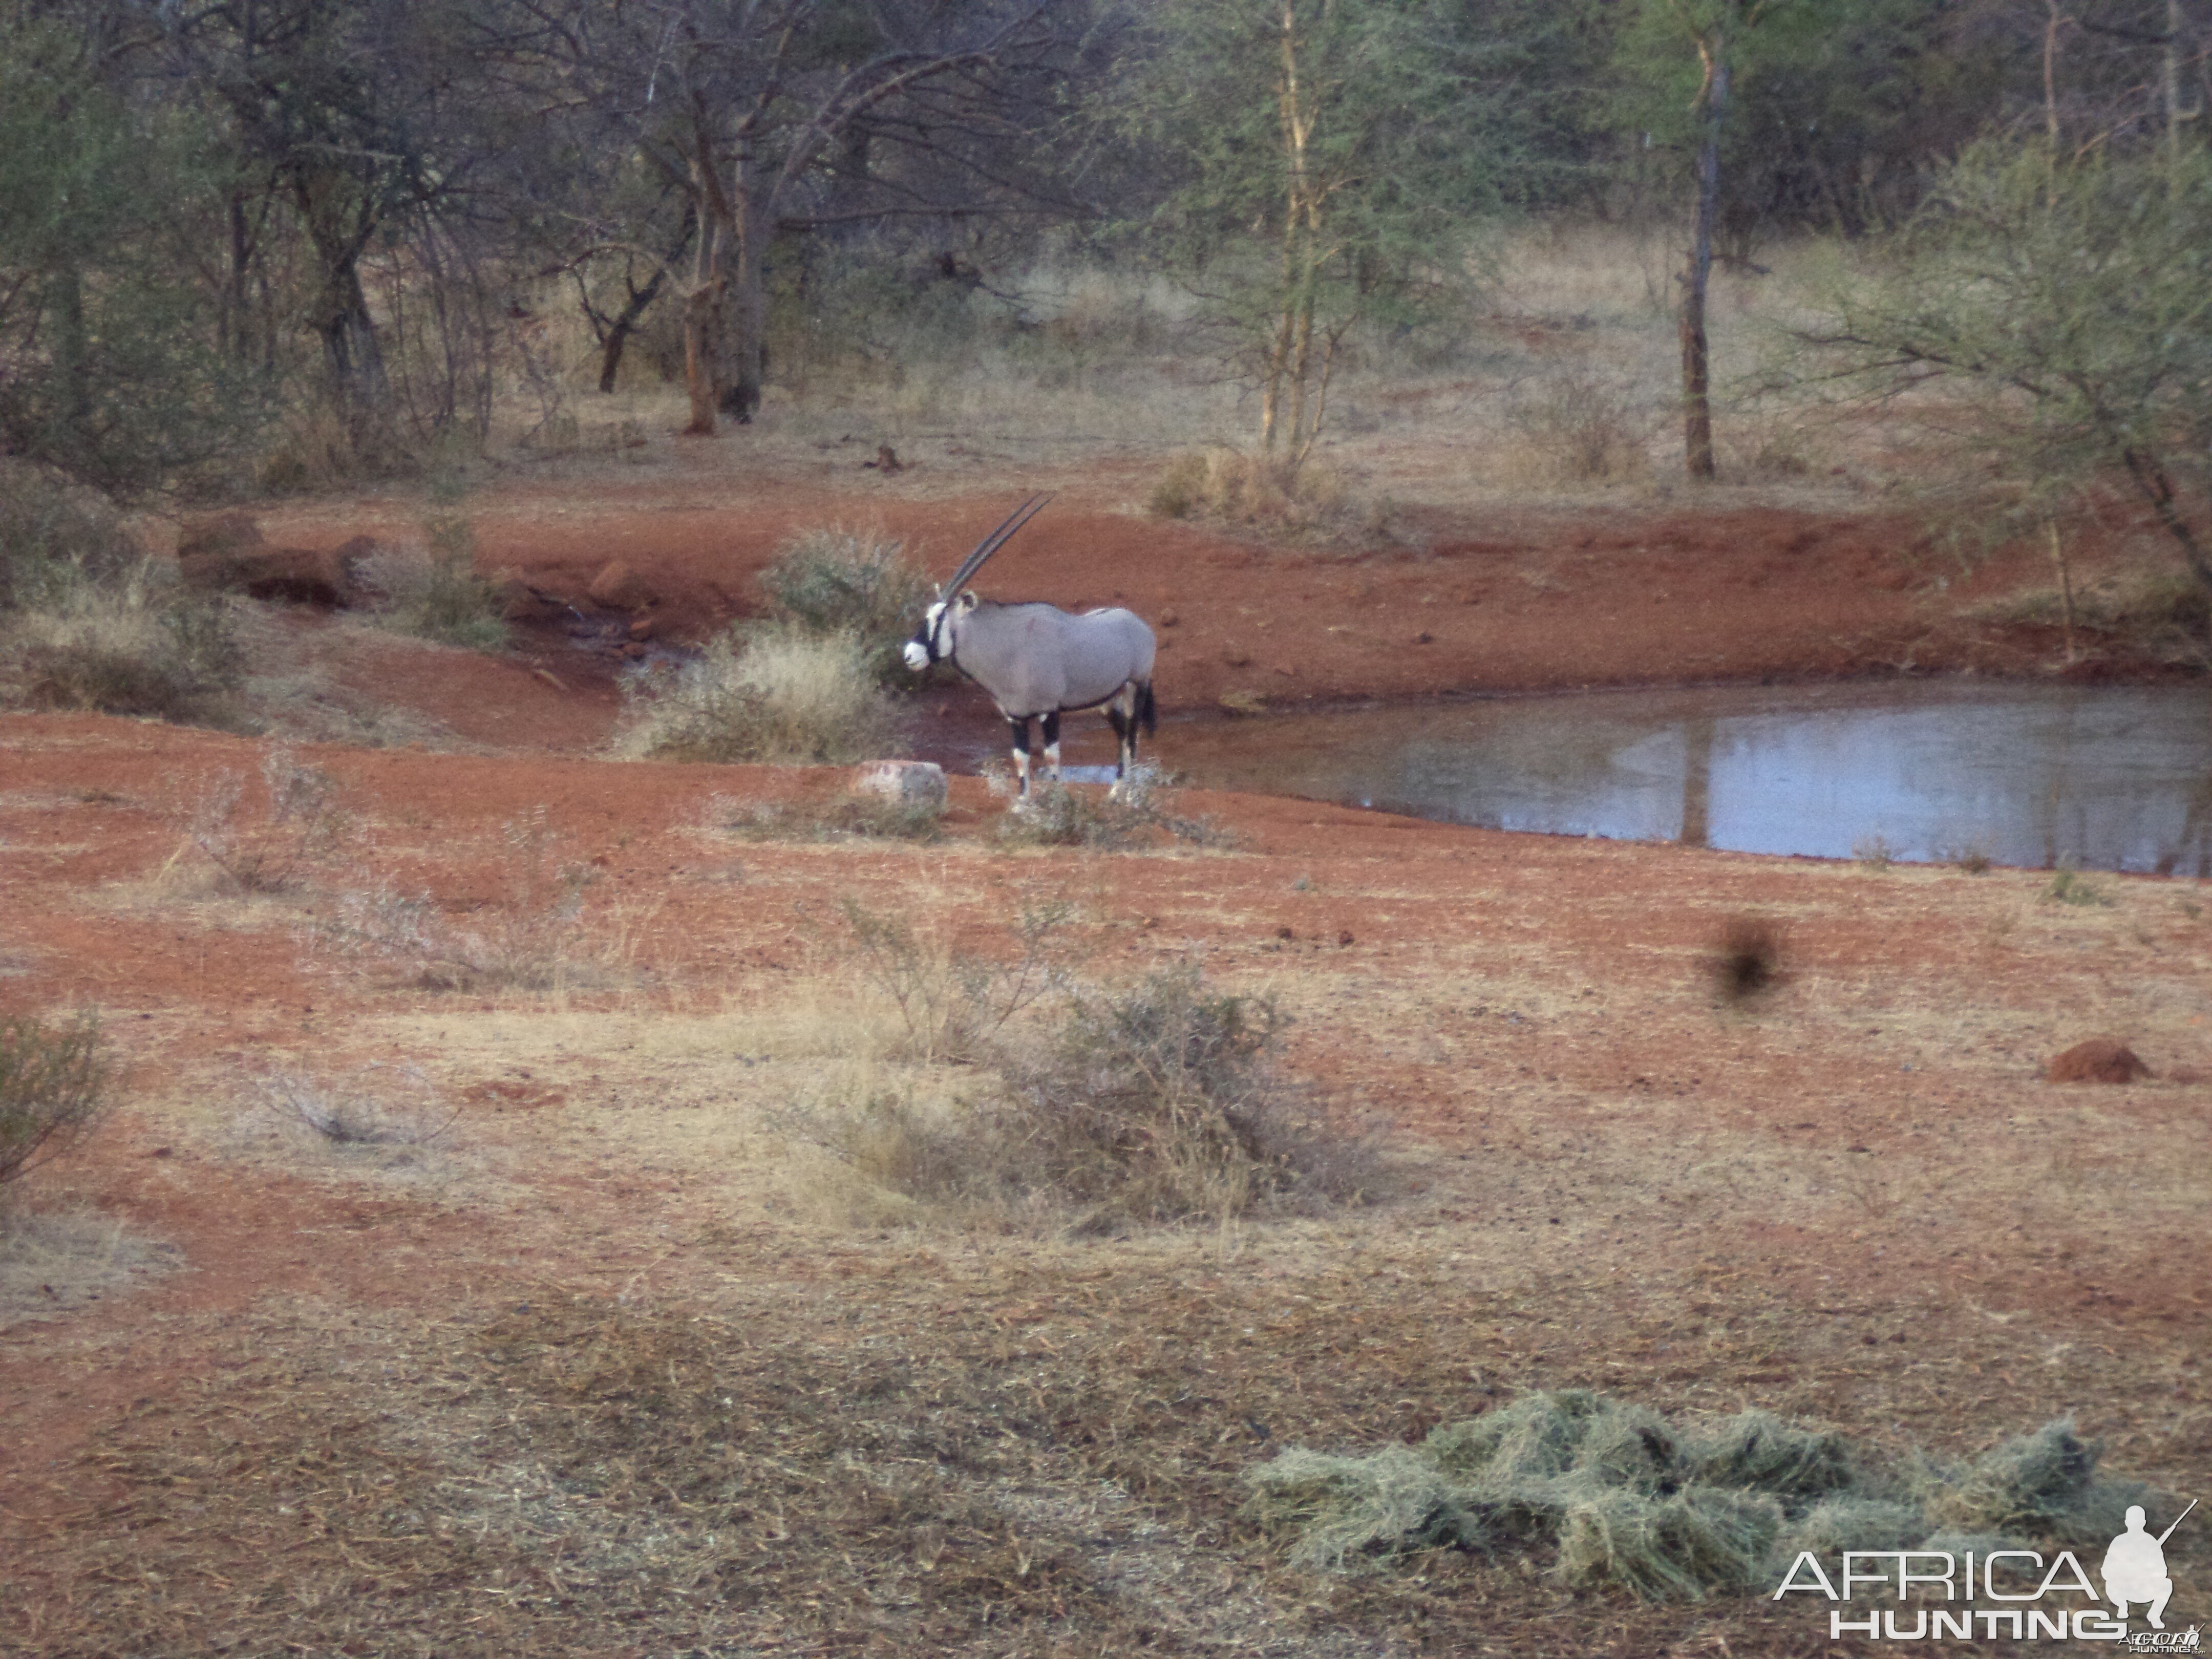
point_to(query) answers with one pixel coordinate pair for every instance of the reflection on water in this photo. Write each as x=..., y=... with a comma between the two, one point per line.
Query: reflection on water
x=2106, y=777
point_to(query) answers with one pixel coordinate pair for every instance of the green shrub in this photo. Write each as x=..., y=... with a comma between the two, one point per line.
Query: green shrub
x=53, y=1090
x=832, y=583
x=778, y=695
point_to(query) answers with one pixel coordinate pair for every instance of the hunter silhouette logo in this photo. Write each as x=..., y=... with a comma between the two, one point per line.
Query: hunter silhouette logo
x=2134, y=1567
x=1923, y=1586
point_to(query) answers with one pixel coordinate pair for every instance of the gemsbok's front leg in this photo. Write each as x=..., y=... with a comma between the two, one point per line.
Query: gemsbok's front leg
x=1021, y=728
x=1052, y=745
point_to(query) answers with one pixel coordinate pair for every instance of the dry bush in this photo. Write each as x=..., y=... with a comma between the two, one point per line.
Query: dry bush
x=1574, y=426
x=1154, y=1102
x=1159, y=1101
x=776, y=695
x=129, y=644
x=533, y=939
x=435, y=592
x=53, y=1090
x=831, y=582
x=952, y=1003
x=300, y=825
x=1131, y=814
x=87, y=621
x=382, y=1106
x=1231, y=487
x=2070, y=886
x=56, y=536
x=857, y=815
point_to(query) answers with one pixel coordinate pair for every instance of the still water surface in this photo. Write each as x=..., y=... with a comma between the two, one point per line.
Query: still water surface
x=2104, y=777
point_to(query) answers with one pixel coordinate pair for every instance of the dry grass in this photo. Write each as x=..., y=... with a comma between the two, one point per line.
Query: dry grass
x=995, y=1453
x=1677, y=1510
x=129, y=644
x=1229, y=486
x=1130, y=815
x=535, y=939
x=782, y=697
x=1573, y=425
x=54, y=1260
x=849, y=816
x=299, y=826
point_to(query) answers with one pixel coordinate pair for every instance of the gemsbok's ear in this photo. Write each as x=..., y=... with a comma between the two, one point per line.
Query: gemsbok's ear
x=965, y=603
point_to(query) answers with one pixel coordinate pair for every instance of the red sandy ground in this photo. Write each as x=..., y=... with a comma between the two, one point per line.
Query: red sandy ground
x=1871, y=1167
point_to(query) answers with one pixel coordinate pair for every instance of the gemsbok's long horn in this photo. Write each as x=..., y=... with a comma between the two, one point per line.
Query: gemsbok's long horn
x=991, y=542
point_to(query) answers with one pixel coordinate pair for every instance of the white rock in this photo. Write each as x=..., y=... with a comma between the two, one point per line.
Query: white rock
x=919, y=783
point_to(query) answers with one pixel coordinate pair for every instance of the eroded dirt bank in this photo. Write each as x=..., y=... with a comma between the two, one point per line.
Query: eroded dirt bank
x=1852, y=1198
x=1726, y=586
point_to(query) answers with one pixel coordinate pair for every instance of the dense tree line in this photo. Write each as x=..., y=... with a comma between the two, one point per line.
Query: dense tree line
x=212, y=210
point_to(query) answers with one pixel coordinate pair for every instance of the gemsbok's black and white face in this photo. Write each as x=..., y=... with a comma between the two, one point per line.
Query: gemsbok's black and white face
x=931, y=642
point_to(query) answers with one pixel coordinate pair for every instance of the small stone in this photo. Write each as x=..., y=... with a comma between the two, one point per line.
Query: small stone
x=2100, y=1060
x=617, y=588
x=912, y=783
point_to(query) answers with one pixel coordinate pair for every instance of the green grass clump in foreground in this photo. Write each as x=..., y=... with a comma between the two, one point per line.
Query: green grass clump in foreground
x=1623, y=1498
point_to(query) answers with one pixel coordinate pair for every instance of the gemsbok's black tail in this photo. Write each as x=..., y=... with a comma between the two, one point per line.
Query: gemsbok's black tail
x=1146, y=710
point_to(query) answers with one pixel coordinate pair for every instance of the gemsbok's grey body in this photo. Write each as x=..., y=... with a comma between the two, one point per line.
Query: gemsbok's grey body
x=1039, y=662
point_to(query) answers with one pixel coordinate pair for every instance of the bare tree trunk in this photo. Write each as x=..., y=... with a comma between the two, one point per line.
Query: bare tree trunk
x=354, y=358
x=2066, y=583
x=2171, y=79
x=1697, y=406
x=741, y=395
x=2050, y=77
x=703, y=322
x=634, y=309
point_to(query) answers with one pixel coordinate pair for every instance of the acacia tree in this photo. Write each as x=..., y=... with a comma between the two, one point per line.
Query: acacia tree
x=356, y=114
x=780, y=118
x=1715, y=30
x=109, y=364
x=2070, y=298
x=1328, y=160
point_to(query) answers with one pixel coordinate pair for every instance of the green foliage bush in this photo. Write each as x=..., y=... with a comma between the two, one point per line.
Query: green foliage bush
x=53, y=1090
x=831, y=582
x=112, y=370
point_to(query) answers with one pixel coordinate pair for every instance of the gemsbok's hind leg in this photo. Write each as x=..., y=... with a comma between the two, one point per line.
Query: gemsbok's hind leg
x=1021, y=727
x=1123, y=716
x=1051, y=744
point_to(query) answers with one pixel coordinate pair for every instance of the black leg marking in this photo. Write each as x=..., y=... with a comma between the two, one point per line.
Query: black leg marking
x=1021, y=728
x=1125, y=735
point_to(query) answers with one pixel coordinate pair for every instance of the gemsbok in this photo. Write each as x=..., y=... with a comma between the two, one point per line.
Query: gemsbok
x=1039, y=661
